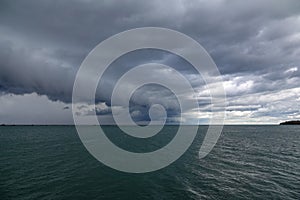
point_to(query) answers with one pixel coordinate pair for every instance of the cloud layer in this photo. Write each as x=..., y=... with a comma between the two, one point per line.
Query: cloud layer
x=255, y=44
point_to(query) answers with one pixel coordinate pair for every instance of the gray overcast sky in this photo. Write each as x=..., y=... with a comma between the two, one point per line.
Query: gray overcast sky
x=255, y=44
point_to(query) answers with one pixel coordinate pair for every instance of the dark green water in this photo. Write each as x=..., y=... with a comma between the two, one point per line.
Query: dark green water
x=249, y=162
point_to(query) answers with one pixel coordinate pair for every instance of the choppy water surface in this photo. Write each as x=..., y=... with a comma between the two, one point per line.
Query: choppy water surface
x=249, y=162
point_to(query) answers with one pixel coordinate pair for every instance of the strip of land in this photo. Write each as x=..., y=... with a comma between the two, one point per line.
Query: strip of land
x=291, y=123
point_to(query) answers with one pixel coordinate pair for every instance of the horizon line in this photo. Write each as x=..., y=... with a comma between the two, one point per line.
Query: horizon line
x=140, y=125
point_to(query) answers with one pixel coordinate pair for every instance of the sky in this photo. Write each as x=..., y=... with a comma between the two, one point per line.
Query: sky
x=255, y=44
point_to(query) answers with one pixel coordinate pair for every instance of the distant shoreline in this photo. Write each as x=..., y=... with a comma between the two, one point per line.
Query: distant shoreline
x=297, y=122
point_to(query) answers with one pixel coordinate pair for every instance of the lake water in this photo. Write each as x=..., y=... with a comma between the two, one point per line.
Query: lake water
x=248, y=162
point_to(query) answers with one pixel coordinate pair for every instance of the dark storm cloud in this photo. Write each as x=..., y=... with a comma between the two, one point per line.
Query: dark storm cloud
x=256, y=44
x=25, y=70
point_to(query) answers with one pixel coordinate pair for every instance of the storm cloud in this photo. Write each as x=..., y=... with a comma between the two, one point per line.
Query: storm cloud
x=255, y=44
